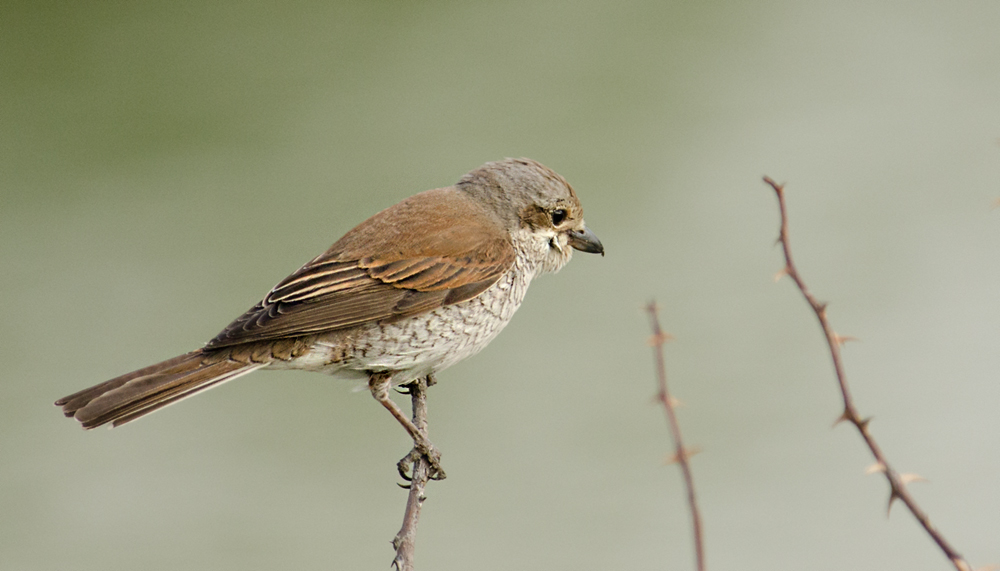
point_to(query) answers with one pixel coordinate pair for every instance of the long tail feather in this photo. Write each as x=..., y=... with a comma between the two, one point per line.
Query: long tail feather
x=128, y=397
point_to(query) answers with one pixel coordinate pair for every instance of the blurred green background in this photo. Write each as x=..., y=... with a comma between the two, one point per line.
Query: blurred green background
x=163, y=164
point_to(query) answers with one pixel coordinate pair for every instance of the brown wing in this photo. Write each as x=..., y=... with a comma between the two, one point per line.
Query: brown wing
x=433, y=249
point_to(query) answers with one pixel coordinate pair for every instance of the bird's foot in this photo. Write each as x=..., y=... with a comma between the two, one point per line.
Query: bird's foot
x=422, y=447
x=421, y=450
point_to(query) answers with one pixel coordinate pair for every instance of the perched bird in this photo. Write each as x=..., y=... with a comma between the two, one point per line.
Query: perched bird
x=406, y=293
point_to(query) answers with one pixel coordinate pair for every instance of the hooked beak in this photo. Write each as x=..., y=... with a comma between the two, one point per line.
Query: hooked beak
x=585, y=241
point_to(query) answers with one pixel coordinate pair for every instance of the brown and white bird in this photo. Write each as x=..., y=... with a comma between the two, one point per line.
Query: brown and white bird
x=408, y=292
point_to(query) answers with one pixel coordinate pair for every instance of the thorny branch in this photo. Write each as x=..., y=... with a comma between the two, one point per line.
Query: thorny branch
x=405, y=540
x=897, y=481
x=680, y=453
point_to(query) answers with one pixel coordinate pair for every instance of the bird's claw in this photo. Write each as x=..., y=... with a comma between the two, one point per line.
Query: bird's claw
x=407, y=389
x=428, y=452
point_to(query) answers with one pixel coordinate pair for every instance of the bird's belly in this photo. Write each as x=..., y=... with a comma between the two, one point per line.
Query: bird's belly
x=422, y=344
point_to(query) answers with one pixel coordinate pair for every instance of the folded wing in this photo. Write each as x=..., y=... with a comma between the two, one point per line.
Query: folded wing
x=431, y=250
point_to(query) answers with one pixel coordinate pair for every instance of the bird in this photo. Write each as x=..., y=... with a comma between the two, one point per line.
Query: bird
x=408, y=292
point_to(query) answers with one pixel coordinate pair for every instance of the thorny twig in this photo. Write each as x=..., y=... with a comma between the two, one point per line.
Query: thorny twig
x=681, y=454
x=405, y=540
x=897, y=481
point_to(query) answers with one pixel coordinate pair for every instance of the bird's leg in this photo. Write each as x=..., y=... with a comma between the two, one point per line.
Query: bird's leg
x=378, y=383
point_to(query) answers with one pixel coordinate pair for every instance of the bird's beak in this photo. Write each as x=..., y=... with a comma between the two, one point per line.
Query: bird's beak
x=585, y=241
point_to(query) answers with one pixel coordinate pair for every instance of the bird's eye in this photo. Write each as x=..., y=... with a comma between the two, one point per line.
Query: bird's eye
x=558, y=215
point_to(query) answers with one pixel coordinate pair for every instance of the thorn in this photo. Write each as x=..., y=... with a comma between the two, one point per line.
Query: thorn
x=909, y=478
x=658, y=340
x=844, y=417
x=781, y=273
x=842, y=339
x=893, y=496
x=821, y=309
x=674, y=402
x=875, y=468
x=863, y=423
x=674, y=459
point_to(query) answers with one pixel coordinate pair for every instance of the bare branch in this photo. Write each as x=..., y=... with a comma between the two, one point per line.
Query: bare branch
x=897, y=482
x=681, y=454
x=405, y=541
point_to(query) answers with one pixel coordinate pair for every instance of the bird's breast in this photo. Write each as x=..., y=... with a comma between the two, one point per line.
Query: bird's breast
x=425, y=343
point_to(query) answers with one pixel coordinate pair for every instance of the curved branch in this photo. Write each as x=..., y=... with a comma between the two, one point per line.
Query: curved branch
x=680, y=453
x=897, y=481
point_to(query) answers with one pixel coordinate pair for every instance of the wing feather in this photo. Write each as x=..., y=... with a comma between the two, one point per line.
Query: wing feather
x=449, y=250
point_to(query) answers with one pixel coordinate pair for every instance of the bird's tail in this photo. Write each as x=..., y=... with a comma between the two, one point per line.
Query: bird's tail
x=126, y=398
